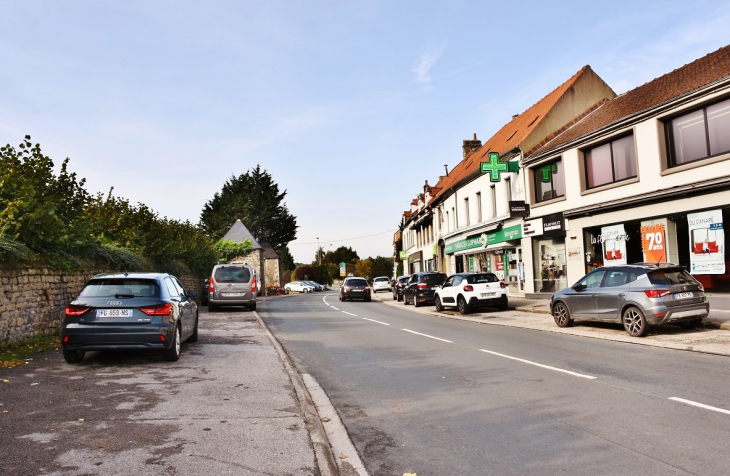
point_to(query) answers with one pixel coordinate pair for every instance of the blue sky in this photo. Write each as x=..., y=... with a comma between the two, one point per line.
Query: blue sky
x=351, y=106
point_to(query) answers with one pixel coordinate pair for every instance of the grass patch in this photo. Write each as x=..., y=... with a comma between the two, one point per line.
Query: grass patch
x=16, y=354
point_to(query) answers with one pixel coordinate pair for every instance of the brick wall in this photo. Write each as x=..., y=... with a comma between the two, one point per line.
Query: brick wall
x=32, y=301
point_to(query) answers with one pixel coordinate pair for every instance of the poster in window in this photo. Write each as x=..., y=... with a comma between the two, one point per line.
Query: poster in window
x=653, y=243
x=706, y=241
x=614, y=240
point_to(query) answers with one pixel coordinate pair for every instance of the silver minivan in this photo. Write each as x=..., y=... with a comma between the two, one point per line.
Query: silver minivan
x=232, y=285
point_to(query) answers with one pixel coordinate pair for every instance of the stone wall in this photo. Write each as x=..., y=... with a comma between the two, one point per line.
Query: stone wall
x=32, y=301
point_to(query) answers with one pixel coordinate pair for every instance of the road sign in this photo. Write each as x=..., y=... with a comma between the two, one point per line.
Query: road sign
x=495, y=168
x=343, y=269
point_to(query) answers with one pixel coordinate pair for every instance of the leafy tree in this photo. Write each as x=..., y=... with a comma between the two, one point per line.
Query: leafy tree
x=343, y=254
x=229, y=249
x=399, y=271
x=255, y=199
x=287, y=260
x=364, y=268
x=382, y=266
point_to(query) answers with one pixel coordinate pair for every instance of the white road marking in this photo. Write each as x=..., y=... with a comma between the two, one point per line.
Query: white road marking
x=539, y=365
x=333, y=307
x=373, y=320
x=700, y=405
x=426, y=335
x=718, y=310
x=349, y=313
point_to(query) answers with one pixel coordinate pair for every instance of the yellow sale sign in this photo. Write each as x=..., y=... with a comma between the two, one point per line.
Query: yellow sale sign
x=653, y=244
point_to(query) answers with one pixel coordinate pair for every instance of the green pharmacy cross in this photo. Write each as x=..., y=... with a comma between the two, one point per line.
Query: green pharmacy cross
x=494, y=167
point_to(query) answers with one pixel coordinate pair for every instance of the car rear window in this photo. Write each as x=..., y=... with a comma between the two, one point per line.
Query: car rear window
x=671, y=276
x=232, y=274
x=482, y=278
x=433, y=278
x=121, y=287
x=377, y=280
x=356, y=282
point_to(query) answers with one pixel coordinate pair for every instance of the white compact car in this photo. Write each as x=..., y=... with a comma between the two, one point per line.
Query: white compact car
x=467, y=291
x=298, y=287
x=381, y=283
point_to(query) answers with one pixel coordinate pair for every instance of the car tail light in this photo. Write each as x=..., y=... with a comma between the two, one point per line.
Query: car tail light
x=422, y=285
x=366, y=288
x=162, y=338
x=158, y=310
x=656, y=293
x=72, y=310
x=211, y=286
x=65, y=338
x=700, y=287
x=253, y=285
x=501, y=284
x=468, y=288
x=347, y=288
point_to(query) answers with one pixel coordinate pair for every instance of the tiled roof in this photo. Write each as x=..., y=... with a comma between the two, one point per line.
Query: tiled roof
x=238, y=233
x=699, y=73
x=269, y=252
x=511, y=135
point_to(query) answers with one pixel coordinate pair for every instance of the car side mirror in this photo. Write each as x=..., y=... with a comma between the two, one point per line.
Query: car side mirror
x=579, y=287
x=445, y=285
x=192, y=293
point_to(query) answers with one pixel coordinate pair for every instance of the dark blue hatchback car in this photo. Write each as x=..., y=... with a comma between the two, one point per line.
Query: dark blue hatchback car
x=125, y=311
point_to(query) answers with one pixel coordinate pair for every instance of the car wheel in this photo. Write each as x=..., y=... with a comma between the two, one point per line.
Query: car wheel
x=173, y=353
x=405, y=300
x=461, y=304
x=561, y=314
x=194, y=336
x=367, y=299
x=340, y=297
x=693, y=324
x=252, y=307
x=73, y=356
x=634, y=322
x=415, y=302
x=437, y=303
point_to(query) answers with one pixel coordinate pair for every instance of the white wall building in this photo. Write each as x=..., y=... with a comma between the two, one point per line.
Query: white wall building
x=645, y=177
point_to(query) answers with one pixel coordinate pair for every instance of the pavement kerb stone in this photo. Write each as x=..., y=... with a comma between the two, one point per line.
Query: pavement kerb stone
x=721, y=349
x=320, y=443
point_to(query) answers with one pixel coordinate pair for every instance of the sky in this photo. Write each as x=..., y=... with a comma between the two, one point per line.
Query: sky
x=350, y=106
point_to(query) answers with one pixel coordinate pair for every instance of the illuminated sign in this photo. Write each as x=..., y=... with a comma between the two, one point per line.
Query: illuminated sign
x=494, y=167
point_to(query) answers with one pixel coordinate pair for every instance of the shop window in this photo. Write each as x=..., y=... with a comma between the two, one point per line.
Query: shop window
x=610, y=162
x=550, y=264
x=699, y=134
x=549, y=181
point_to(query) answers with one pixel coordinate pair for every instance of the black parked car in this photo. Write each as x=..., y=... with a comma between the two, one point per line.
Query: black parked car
x=355, y=288
x=123, y=311
x=398, y=286
x=421, y=287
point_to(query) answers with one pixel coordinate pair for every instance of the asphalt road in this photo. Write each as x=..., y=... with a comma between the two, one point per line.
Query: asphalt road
x=433, y=396
x=227, y=407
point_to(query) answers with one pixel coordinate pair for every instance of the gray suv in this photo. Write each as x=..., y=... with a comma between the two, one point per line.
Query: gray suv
x=636, y=296
x=232, y=285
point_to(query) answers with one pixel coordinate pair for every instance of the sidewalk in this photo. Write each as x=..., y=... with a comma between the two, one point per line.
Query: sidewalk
x=534, y=314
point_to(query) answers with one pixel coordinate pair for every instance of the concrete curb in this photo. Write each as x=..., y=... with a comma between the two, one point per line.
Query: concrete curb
x=317, y=434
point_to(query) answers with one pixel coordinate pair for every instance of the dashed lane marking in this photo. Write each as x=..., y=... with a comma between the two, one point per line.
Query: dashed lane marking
x=349, y=313
x=426, y=335
x=373, y=320
x=575, y=374
x=333, y=307
x=700, y=405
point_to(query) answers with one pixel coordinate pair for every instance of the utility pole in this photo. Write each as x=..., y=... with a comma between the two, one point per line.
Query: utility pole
x=319, y=254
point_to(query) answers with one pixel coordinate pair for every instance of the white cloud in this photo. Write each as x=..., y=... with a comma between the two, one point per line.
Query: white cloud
x=425, y=63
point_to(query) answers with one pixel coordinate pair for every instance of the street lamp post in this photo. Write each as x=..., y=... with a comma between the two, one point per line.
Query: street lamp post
x=319, y=254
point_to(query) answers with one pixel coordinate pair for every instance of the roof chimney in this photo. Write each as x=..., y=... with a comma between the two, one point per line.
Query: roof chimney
x=446, y=167
x=426, y=187
x=470, y=146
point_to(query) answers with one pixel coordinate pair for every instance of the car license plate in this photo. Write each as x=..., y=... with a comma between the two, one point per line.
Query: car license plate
x=114, y=313
x=488, y=294
x=683, y=295
x=357, y=290
x=232, y=294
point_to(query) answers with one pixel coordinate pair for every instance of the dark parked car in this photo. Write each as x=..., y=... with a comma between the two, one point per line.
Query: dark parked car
x=636, y=295
x=355, y=288
x=129, y=311
x=205, y=293
x=398, y=286
x=421, y=288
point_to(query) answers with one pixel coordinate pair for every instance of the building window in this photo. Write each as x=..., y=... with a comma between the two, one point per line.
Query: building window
x=493, y=193
x=453, y=217
x=508, y=193
x=466, y=211
x=611, y=162
x=699, y=134
x=448, y=223
x=479, y=207
x=549, y=181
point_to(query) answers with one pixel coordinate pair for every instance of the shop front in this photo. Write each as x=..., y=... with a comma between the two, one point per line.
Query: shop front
x=499, y=252
x=415, y=262
x=694, y=239
x=548, y=252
